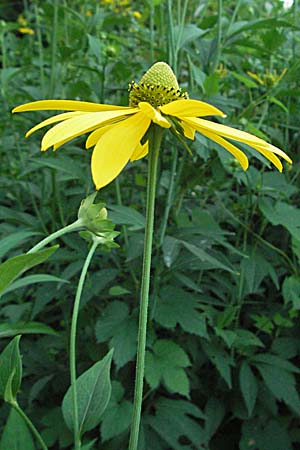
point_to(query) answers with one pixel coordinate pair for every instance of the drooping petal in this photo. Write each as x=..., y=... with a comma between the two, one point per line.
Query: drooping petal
x=67, y=105
x=225, y=131
x=115, y=148
x=96, y=135
x=190, y=108
x=258, y=144
x=154, y=115
x=76, y=126
x=270, y=156
x=277, y=151
x=54, y=119
x=236, y=152
x=189, y=131
x=140, y=151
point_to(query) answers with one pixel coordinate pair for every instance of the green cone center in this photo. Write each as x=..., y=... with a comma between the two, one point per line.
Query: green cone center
x=158, y=87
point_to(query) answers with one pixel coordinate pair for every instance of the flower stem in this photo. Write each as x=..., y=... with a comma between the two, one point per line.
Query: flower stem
x=77, y=225
x=30, y=425
x=73, y=341
x=154, y=146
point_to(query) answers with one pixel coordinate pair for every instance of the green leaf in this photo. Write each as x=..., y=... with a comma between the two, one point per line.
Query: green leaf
x=249, y=388
x=16, y=435
x=14, y=267
x=32, y=279
x=55, y=429
x=8, y=330
x=211, y=84
x=89, y=445
x=251, y=25
x=166, y=364
x=120, y=328
x=117, y=291
x=291, y=291
x=272, y=435
x=204, y=256
x=282, y=384
x=13, y=240
x=245, y=80
x=93, y=393
x=177, y=307
x=174, y=420
x=278, y=103
x=220, y=359
x=214, y=412
x=117, y=416
x=10, y=370
x=126, y=216
x=189, y=32
x=255, y=269
x=64, y=164
x=282, y=214
x=274, y=360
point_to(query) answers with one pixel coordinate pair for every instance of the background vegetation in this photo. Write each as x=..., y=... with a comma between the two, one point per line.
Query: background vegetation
x=224, y=340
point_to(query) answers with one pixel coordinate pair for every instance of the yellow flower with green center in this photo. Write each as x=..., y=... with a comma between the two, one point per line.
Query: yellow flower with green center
x=119, y=134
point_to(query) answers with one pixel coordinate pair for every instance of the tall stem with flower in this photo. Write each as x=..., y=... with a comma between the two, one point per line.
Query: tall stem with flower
x=122, y=134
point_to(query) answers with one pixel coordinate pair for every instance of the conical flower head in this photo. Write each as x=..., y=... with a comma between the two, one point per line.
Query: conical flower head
x=158, y=86
x=160, y=74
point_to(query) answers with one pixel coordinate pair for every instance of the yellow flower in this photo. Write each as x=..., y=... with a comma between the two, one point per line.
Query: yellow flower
x=137, y=15
x=25, y=30
x=119, y=134
x=269, y=79
x=21, y=20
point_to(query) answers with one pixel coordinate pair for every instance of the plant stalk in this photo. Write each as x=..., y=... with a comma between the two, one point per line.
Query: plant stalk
x=77, y=225
x=30, y=425
x=154, y=146
x=76, y=430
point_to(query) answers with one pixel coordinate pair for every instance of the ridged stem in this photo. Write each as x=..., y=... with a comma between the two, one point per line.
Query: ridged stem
x=154, y=146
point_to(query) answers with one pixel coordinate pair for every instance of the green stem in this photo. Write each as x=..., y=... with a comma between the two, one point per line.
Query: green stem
x=53, y=49
x=169, y=198
x=77, y=225
x=30, y=425
x=219, y=37
x=73, y=341
x=154, y=146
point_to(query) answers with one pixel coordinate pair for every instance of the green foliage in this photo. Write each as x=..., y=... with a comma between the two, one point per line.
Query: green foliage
x=166, y=364
x=10, y=370
x=93, y=393
x=14, y=267
x=223, y=337
x=118, y=328
x=16, y=435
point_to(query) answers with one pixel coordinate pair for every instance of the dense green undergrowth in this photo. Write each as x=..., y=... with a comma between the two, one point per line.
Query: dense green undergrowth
x=222, y=365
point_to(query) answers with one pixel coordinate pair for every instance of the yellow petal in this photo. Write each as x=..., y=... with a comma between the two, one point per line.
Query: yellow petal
x=51, y=120
x=154, y=115
x=140, y=151
x=96, y=135
x=279, y=152
x=67, y=105
x=189, y=131
x=76, y=126
x=115, y=148
x=258, y=144
x=270, y=156
x=190, y=108
x=236, y=152
x=225, y=131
